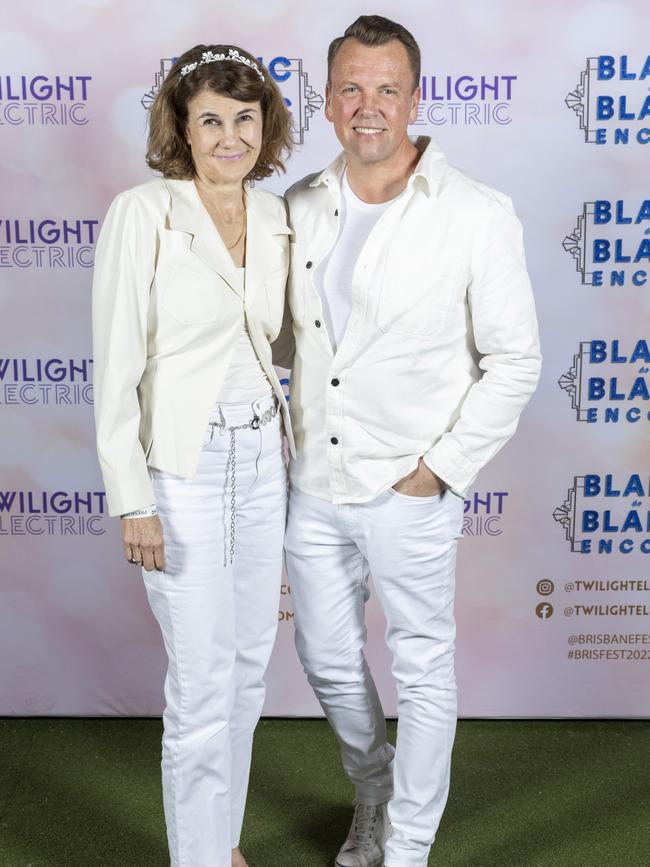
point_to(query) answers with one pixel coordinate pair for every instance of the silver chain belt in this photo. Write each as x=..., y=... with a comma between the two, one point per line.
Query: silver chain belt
x=255, y=423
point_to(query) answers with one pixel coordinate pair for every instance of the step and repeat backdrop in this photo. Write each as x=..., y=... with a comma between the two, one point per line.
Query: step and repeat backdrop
x=549, y=103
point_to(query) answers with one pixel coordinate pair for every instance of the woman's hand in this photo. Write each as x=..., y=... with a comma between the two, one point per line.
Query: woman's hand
x=143, y=542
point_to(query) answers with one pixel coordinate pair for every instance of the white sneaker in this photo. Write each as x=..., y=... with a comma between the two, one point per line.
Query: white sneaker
x=366, y=840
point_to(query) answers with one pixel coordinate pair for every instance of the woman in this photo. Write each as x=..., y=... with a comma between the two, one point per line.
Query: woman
x=188, y=295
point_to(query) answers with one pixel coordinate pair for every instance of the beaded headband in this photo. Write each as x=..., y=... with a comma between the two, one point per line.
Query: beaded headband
x=210, y=57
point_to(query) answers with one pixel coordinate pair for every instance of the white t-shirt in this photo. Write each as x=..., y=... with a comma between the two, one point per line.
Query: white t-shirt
x=333, y=277
x=245, y=380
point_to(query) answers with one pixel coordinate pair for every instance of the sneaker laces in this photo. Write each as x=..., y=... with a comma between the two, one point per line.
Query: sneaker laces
x=365, y=819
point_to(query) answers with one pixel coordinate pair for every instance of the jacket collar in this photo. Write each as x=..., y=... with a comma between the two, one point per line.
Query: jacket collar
x=188, y=214
x=428, y=172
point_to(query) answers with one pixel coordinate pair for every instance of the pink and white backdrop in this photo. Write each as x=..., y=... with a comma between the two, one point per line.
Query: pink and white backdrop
x=547, y=102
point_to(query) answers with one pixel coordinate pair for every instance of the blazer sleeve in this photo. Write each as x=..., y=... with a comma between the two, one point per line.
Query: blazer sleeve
x=284, y=346
x=505, y=335
x=125, y=261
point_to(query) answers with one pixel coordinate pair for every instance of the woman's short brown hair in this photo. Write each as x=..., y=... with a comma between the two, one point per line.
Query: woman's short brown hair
x=167, y=148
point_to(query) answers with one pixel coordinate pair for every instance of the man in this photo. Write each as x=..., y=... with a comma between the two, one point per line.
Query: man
x=416, y=349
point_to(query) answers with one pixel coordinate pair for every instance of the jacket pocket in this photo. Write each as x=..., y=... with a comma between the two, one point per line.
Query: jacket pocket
x=416, y=296
x=191, y=297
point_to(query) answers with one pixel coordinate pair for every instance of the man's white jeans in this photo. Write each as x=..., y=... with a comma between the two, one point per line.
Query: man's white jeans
x=218, y=625
x=408, y=544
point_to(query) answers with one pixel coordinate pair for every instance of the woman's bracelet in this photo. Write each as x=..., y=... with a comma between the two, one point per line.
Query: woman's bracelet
x=147, y=512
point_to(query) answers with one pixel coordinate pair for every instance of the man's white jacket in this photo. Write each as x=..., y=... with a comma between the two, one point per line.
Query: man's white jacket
x=441, y=351
x=167, y=315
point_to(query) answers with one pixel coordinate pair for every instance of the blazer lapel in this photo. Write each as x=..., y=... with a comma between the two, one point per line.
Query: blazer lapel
x=188, y=214
x=263, y=243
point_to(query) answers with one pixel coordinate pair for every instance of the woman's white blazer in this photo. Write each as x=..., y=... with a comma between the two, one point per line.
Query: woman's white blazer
x=167, y=314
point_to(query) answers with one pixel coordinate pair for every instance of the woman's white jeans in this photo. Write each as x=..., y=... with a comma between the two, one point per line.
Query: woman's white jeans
x=408, y=544
x=218, y=624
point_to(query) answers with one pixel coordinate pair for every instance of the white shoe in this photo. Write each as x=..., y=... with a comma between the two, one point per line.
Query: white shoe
x=366, y=840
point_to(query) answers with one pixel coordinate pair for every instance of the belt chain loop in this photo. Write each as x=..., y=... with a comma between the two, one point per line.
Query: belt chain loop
x=233, y=486
x=254, y=424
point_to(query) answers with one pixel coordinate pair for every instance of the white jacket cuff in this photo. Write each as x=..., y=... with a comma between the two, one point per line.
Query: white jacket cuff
x=451, y=466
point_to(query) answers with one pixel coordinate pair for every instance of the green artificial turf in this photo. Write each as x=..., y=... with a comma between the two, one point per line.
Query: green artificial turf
x=524, y=794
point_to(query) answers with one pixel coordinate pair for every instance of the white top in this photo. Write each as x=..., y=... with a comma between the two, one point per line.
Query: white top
x=334, y=275
x=245, y=380
x=441, y=350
